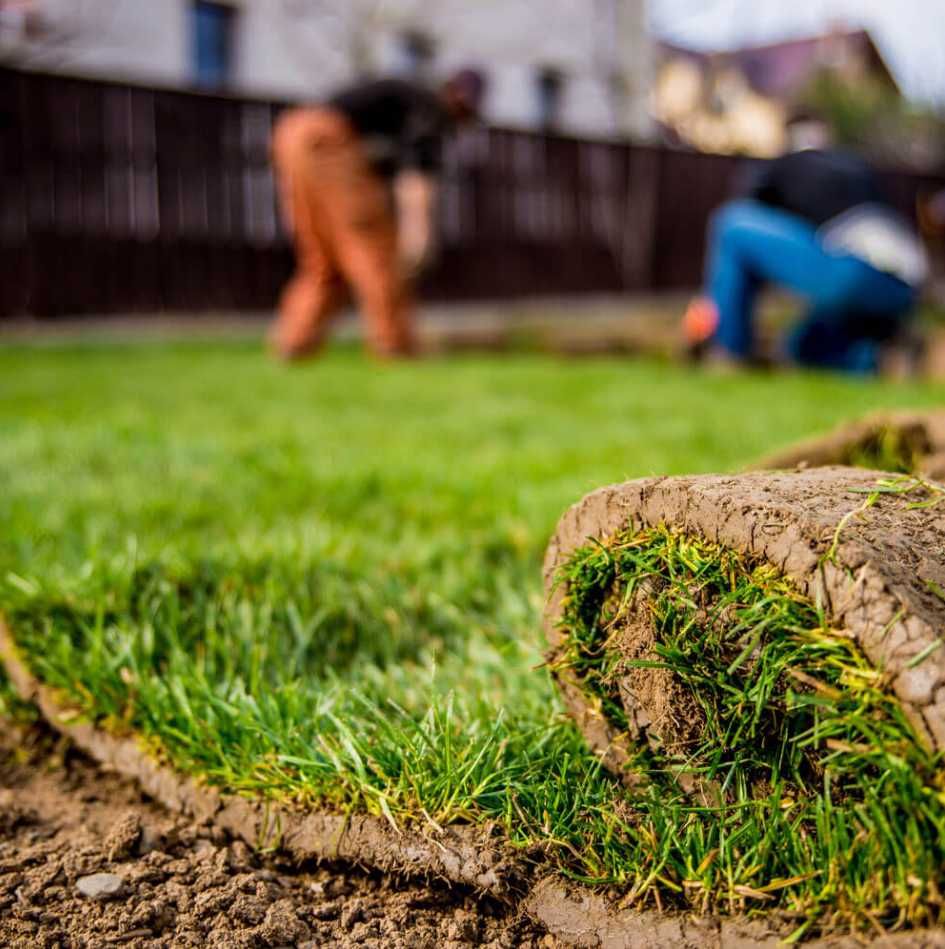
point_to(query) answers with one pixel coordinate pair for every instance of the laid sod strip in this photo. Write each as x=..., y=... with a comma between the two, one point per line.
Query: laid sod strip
x=906, y=442
x=758, y=658
x=461, y=854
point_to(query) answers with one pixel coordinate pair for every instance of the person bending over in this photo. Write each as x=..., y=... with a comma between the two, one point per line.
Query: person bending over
x=357, y=186
x=815, y=223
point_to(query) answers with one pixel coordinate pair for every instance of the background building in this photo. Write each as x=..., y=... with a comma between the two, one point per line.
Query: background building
x=583, y=68
x=740, y=101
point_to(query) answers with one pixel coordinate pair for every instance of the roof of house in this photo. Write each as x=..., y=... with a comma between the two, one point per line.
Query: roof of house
x=779, y=69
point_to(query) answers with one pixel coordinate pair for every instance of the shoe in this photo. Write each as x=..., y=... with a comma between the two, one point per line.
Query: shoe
x=906, y=356
x=699, y=323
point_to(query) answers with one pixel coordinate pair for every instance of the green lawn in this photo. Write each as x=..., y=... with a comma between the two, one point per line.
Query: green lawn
x=324, y=581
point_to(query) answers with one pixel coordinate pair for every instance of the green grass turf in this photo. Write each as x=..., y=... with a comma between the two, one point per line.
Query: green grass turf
x=324, y=582
x=801, y=769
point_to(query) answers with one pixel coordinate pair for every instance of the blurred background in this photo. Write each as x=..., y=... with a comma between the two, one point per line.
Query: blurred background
x=134, y=136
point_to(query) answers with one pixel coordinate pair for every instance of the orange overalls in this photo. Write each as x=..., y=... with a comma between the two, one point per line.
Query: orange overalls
x=340, y=215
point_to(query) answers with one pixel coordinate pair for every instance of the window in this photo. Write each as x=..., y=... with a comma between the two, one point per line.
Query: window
x=549, y=89
x=416, y=53
x=212, y=33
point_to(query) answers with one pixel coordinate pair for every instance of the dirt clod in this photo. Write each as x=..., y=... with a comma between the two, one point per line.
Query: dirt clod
x=123, y=836
x=659, y=709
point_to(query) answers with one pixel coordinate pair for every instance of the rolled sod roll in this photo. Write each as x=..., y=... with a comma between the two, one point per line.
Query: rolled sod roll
x=790, y=614
x=889, y=441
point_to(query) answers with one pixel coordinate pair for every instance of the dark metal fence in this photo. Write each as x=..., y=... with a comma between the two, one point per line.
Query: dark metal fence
x=117, y=198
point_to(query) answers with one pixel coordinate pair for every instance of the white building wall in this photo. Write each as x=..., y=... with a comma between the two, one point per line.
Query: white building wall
x=289, y=56
x=587, y=40
x=304, y=49
x=144, y=40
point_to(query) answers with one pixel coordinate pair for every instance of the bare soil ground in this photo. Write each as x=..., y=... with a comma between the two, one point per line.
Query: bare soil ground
x=183, y=884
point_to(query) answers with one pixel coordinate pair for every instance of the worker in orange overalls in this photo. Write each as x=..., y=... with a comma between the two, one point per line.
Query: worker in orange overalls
x=357, y=183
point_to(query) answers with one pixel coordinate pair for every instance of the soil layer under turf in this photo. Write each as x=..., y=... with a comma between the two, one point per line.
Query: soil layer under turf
x=323, y=586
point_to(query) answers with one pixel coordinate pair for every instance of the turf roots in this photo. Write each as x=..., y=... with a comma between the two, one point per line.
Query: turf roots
x=759, y=740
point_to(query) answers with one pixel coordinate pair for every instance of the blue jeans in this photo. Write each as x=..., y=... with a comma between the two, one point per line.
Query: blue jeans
x=852, y=306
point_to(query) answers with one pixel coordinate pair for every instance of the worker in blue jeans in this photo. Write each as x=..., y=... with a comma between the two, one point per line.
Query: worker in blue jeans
x=815, y=223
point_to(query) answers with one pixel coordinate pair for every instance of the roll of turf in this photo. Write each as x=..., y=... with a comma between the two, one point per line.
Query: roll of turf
x=890, y=441
x=758, y=625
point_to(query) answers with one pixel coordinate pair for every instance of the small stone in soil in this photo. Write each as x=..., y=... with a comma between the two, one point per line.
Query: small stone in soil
x=101, y=886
